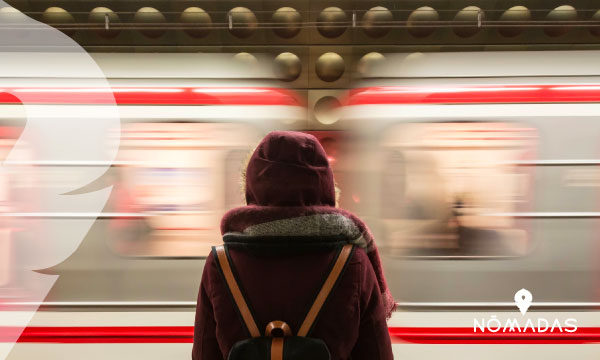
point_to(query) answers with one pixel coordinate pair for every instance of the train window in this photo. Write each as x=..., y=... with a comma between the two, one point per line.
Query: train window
x=171, y=189
x=452, y=189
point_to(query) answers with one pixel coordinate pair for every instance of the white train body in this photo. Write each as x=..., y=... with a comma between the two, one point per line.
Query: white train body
x=440, y=154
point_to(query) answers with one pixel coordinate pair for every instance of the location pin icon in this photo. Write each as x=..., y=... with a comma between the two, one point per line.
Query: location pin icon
x=523, y=299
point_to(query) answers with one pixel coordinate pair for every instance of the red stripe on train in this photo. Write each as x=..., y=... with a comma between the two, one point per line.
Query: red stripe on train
x=466, y=335
x=184, y=334
x=389, y=95
x=112, y=334
x=151, y=96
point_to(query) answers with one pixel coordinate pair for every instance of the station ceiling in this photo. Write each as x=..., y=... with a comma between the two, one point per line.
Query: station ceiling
x=315, y=45
x=189, y=25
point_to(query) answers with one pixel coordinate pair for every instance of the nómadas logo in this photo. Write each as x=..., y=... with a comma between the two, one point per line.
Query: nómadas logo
x=523, y=300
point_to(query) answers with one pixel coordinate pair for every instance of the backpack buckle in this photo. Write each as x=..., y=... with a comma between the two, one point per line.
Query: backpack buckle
x=278, y=329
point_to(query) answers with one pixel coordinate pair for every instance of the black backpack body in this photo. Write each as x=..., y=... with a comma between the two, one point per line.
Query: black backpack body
x=277, y=341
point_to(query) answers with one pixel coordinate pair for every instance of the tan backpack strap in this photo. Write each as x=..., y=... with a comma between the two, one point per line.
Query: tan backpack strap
x=234, y=288
x=277, y=348
x=332, y=278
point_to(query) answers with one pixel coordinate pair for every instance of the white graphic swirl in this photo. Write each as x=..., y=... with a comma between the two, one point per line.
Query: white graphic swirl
x=38, y=222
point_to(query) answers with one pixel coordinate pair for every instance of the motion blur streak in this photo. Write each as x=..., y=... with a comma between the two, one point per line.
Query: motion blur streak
x=132, y=96
x=474, y=94
x=456, y=335
x=184, y=334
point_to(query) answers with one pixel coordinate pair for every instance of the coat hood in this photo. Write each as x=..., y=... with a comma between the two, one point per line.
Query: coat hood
x=290, y=193
x=289, y=169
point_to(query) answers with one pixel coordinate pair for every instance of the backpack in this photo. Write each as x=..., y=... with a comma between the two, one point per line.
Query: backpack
x=278, y=342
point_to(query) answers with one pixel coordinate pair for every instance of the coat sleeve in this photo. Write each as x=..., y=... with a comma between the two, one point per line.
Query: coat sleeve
x=373, y=339
x=205, y=346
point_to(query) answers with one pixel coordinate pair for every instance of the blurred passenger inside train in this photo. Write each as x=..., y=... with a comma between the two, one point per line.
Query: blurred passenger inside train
x=281, y=248
x=450, y=189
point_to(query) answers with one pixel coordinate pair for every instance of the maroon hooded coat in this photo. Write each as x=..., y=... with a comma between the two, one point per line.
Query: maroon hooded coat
x=282, y=245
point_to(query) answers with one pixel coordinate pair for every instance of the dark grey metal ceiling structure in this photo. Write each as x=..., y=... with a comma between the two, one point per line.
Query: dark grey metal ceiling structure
x=319, y=46
x=172, y=24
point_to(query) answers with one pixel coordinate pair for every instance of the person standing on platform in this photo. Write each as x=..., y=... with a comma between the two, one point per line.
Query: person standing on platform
x=279, y=252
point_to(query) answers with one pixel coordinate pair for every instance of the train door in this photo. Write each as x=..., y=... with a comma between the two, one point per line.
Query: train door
x=9, y=133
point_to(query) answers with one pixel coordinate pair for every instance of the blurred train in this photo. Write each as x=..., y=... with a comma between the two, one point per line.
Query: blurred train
x=477, y=173
x=187, y=124
x=484, y=177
